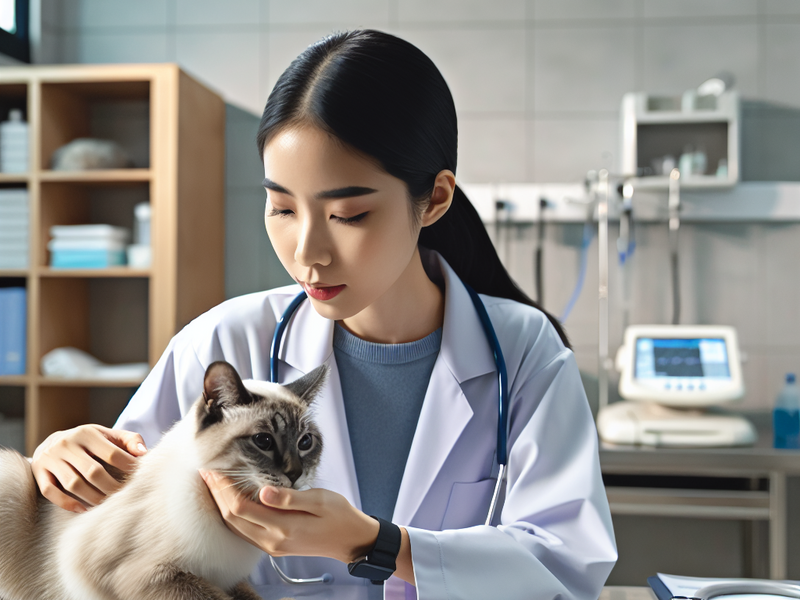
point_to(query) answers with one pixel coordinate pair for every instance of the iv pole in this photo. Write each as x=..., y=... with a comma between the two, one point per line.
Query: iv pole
x=602, y=251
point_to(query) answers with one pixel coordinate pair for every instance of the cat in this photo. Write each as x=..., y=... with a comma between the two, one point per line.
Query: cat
x=161, y=537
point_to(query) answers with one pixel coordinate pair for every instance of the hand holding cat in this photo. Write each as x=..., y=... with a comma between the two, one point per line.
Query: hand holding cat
x=69, y=475
x=288, y=522
x=313, y=522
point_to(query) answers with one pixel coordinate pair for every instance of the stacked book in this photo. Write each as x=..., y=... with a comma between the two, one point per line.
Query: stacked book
x=87, y=246
x=12, y=330
x=14, y=228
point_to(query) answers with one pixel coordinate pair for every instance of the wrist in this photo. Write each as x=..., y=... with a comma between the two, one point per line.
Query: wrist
x=365, y=535
x=380, y=561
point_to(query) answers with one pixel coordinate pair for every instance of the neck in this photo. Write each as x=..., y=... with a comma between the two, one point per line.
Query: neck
x=410, y=310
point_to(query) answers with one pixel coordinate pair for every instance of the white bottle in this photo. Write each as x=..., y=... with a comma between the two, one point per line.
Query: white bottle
x=14, y=143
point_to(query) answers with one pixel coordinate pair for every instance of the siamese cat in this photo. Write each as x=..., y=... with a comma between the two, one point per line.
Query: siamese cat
x=161, y=536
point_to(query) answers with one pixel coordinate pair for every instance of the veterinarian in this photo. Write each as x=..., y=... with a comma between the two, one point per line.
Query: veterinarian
x=359, y=141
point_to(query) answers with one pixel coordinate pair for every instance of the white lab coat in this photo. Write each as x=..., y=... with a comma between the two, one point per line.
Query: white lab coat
x=555, y=537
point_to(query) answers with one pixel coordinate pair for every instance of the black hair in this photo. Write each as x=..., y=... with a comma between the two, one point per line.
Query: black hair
x=385, y=98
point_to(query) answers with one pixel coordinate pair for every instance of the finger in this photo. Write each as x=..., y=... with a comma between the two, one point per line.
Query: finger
x=92, y=472
x=53, y=492
x=128, y=440
x=309, y=501
x=70, y=481
x=108, y=445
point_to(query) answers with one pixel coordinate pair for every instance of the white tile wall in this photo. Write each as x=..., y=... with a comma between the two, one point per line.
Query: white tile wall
x=679, y=57
x=351, y=14
x=227, y=61
x=122, y=46
x=460, y=11
x=216, y=13
x=700, y=8
x=85, y=14
x=544, y=10
x=782, y=55
x=590, y=143
x=491, y=149
x=591, y=80
x=485, y=68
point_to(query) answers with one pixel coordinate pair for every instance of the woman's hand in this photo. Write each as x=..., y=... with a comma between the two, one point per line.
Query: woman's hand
x=67, y=471
x=313, y=522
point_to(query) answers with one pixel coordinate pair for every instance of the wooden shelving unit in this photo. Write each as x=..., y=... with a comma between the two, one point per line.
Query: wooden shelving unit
x=173, y=128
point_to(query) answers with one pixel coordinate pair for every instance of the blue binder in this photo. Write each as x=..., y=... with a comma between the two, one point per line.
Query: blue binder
x=13, y=346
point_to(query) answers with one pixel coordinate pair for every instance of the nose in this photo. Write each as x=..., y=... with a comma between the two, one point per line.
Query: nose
x=313, y=246
x=292, y=468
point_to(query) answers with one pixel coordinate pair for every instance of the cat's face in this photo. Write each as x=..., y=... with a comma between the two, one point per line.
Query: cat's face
x=259, y=433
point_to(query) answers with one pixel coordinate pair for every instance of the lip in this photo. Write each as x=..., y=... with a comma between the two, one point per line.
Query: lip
x=321, y=291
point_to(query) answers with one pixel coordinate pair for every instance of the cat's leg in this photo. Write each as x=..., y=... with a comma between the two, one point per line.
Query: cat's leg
x=243, y=591
x=171, y=583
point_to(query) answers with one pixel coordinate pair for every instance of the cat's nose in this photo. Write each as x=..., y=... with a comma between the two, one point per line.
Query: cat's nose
x=293, y=470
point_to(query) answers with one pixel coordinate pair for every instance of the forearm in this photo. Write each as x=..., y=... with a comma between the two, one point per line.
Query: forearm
x=405, y=566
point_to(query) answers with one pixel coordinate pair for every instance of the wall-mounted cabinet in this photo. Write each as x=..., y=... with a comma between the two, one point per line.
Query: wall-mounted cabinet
x=698, y=135
x=172, y=129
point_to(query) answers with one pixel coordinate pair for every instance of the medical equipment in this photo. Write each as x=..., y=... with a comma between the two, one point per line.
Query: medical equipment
x=667, y=374
x=759, y=587
x=502, y=408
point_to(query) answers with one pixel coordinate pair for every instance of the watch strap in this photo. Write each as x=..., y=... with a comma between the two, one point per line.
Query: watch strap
x=381, y=561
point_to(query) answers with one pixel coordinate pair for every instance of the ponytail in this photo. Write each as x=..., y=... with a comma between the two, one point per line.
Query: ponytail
x=461, y=238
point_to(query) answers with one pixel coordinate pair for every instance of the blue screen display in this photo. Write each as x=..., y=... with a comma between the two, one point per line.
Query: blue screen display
x=670, y=357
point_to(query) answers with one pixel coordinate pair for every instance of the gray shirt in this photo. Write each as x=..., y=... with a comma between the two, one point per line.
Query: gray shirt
x=383, y=386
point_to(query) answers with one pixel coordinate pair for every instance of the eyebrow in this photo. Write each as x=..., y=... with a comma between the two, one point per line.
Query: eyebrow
x=346, y=192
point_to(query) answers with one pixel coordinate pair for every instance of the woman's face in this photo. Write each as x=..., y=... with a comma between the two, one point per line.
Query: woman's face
x=340, y=225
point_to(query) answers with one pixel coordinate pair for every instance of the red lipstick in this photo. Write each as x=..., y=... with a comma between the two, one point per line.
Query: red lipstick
x=323, y=293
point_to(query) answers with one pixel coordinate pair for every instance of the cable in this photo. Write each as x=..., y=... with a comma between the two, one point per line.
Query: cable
x=538, y=257
x=588, y=234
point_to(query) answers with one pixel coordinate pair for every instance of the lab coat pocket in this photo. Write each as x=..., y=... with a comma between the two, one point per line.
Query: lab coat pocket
x=468, y=504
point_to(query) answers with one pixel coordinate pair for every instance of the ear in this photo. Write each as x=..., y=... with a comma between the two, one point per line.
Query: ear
x=308, y=386
x=444, y=186
x=222, y=387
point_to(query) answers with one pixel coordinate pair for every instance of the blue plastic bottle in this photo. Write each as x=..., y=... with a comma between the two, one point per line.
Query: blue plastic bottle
x=786, y=416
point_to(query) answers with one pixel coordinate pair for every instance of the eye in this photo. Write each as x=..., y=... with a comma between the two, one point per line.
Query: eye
x=349, y=220
x=274, y=212
x=305, y=442
x=263, y=441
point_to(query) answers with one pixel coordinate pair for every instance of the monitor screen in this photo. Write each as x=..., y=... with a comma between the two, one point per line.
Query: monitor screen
x=666, y=358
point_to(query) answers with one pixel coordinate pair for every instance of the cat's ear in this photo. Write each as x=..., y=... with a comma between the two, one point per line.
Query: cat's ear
x=308, y=386
x=222, y=387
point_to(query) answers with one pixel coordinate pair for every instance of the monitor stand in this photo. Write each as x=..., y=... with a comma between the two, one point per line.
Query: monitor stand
x=651, y=424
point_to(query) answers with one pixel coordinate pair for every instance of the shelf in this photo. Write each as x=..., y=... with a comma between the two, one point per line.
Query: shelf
x=87, y=383
x=14, y=177
x=696, y=182
x=13, y=272
x=94, y=273
x=97, y=176
x=15, y=380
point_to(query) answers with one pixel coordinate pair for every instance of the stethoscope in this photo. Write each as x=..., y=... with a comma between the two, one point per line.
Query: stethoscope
x=502, y=406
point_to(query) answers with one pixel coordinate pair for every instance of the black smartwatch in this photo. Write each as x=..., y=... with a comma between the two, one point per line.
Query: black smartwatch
x=380, y=562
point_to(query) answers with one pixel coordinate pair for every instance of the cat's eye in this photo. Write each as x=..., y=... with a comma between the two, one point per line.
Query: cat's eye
x=305, y=442
x=263, y=441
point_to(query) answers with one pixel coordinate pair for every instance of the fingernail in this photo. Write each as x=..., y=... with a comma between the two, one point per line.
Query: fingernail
x=80, y=508
x=203, y=473
x=269, y=492
x=141, y=448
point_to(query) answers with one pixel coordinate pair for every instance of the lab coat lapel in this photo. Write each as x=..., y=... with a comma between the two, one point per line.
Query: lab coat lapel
x=445, y=413
x=446, y=410
x=308, y=343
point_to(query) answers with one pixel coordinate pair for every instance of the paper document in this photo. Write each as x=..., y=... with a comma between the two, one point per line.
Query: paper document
x=688, y=587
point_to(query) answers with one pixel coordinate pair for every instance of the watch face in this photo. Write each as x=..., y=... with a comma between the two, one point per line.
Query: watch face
x=363, y=569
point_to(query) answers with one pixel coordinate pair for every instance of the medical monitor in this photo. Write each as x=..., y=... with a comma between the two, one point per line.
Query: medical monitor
x=680, y=365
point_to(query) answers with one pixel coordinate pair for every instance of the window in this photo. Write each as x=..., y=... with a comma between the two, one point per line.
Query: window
x=14, y=40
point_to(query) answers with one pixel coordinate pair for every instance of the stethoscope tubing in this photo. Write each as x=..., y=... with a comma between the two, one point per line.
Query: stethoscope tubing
x=752, y=586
